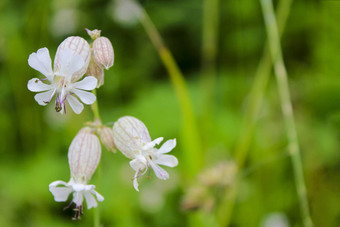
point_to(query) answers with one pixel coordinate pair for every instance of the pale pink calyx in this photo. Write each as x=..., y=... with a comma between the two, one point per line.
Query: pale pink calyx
x=132, y=138
x=78, y=46
x=103, y=52
x=84, y=155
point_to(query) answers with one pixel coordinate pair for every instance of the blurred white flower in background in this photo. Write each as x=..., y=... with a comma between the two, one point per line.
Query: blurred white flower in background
x=275, y=220
x=125, y=12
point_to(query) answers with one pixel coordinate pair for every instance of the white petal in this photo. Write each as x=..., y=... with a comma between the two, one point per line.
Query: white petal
x=78, y=198
x=137, y=165
x=167, y=146
x=36, y=85
x=65, y=57
x=44, y=97
x=85, y=96
x=160, y=173
x=167, y=160
x=152, y=143
x=76, y=106
x=90, y=200
x=135, y=182
x=41, y=61
x=60, y=193
x=88, y=83
x=75, y=64
x=58, y=182
x=99, y=197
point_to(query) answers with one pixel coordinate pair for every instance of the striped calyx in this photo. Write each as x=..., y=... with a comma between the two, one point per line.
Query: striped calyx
x=106, y=137
x=78, y=46
x=84, y=155
x=130, y=135
x=103, y=52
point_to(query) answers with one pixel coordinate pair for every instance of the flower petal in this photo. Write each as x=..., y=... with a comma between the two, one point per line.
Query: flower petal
x=137, y=164
x=88, y=83
x=45, y=97
x=167, y=146
x=36, y=85
x=167, y=160
x=152, y=143
x=75, y=64
x=60, y=193
x=65, y=57
x=78, y=198
x=90, y=200
x=160, y=172
x=85, y=96
x=41, y=61
x=99, y=197
x=135, y=182
x=74, y=103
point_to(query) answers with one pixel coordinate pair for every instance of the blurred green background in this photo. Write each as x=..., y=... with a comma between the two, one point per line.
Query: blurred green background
x=34, y=139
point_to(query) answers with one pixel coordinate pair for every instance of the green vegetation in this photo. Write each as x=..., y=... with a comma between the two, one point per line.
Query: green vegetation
x=198, y=71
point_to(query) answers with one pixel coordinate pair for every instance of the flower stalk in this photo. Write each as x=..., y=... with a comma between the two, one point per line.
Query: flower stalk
x=224, y=212
x=190, y=129
x=287, y=109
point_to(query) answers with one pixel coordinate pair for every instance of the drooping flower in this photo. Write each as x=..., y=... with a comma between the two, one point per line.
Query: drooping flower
x=83, y=156
x=61, y=80
x=132, y=138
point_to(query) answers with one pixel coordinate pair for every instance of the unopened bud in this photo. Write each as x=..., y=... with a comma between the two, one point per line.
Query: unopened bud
x=78, y=46
x=103, y=52
x=94, y=34
x=84, y=155
x=106, y=136
x=97, y=71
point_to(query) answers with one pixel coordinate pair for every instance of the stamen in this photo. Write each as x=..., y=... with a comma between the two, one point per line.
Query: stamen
x=57, y=104
x=68, y=206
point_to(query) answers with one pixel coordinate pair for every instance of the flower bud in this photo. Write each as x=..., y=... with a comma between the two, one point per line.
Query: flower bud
x=94, y=34
x=106, y=136
x=130, y=134
x=97, y=71
x=103, y=52
x=84, y=155
x=78, y=46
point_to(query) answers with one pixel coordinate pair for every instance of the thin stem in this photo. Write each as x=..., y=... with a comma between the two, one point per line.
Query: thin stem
x=286, y=105
x=95, y=108
x=209, y=52
x=193, y=156
x=256, y=94
x=96, y=218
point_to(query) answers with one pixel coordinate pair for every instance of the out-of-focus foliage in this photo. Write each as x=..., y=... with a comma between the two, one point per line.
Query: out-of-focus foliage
x=34, y=139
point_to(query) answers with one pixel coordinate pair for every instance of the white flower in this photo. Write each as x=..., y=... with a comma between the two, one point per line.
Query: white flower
x=60, y=81
x=132, y=138
x=83, y=155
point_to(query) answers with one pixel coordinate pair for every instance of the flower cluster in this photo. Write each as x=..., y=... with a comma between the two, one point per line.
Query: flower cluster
x=74, y=58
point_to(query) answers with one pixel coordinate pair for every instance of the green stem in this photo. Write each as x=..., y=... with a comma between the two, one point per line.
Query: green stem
x=262, y=75
x=286, y=105
x=209, y=52
x=193, y=156
x=95, y=108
